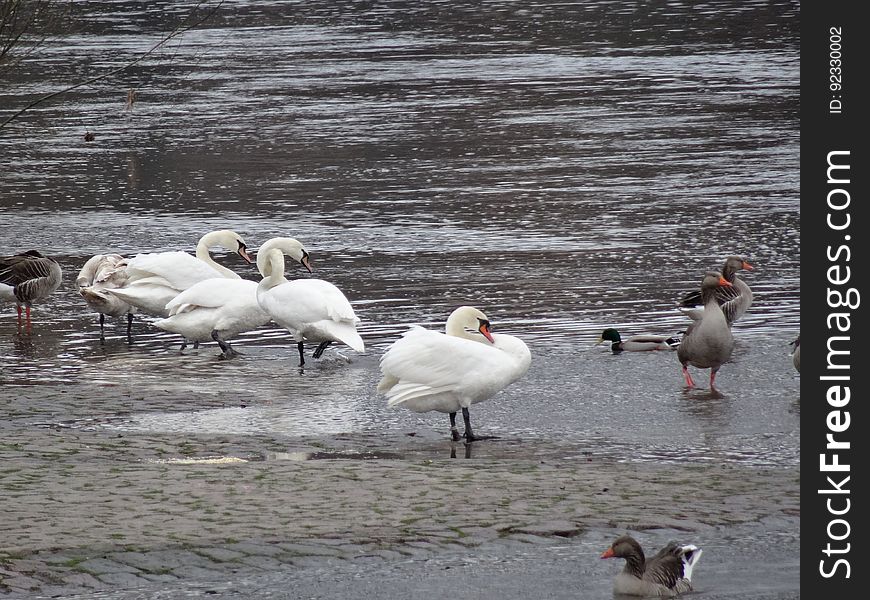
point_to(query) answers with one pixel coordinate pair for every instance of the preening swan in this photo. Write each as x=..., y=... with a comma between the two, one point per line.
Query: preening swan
x=428, y=370
x=665, y=575
x=27, y=278
x=156, y=278
x=219, y=309
x=708, y=342
x=312, y=310
x=100, y=273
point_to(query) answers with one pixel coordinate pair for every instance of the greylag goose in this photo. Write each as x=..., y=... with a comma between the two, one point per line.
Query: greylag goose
x=737, y=298
x=100, y=273
x=219, y=309
x=637, y=343
x=427, y=370
x=665, y=575
x=312, y=310
x=27, y=278
x=707, y=343
x=153, y=279
x=796, y=355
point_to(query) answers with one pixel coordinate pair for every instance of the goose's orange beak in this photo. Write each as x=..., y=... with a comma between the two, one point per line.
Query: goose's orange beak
x=608, y=553
x=747, y=266
x=484, y=329
x=725, y=282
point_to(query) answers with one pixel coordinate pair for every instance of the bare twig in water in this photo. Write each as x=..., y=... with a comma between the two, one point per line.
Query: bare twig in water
x=172, y=34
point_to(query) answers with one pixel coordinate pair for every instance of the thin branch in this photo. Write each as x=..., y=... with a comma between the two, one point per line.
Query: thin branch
x=174, y=33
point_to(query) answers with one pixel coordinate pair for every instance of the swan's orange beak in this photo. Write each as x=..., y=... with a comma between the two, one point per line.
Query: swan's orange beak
x=725, y=282
x=747, y=266
x=484, y=329
x=608, y=553
x=244, y=254
x=306, y=262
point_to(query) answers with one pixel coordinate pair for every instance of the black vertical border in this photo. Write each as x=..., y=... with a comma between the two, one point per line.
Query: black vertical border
x=829, y=28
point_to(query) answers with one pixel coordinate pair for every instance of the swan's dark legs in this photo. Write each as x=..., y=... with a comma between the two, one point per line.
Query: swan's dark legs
x=469, y=434
x=102, y=323
x=129, y=328
x=228, y=351
x=454, y=431
x=301, y=355
x=320, y=349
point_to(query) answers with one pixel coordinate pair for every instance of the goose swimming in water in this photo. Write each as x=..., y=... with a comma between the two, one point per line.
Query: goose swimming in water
x=27, y=278
x=665, y=575
x=448, y=372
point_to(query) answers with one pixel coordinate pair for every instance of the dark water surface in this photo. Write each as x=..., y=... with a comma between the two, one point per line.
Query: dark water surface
x=564, y=167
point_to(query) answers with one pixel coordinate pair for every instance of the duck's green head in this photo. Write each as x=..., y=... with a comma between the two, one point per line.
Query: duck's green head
x=609, y=335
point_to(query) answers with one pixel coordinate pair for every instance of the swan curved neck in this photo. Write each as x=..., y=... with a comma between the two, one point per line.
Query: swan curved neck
x=203, y=254
x=275, y=269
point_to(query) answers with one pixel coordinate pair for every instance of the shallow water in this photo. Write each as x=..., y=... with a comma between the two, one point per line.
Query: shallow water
x=565, y=168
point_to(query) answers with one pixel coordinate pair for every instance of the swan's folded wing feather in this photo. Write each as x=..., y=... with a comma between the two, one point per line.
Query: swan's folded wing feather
x=443, y=363
x=179, y=269
x=214, y=293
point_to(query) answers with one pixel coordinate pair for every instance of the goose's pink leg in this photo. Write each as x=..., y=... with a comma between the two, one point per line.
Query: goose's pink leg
x=688, y=376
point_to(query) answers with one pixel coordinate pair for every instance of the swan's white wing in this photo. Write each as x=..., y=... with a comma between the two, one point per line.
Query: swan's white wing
x=428, y=363
x=214, y=293
x=179, y=270
x=313, y=309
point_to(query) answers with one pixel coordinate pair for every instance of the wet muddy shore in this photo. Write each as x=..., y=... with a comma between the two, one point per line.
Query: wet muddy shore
x=90, y=508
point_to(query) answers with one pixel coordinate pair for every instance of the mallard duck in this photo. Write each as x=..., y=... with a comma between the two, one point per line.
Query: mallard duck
x=637, y=343
x=796, y=355
x=707, y=343
x=735, y=299
x=27, y=278
x=448, y=372
x=665, y=575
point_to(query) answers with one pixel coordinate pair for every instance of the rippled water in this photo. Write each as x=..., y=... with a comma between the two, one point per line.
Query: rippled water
x=564, y=167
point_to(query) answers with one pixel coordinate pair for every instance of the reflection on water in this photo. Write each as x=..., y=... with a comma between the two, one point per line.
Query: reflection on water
x=565, y=168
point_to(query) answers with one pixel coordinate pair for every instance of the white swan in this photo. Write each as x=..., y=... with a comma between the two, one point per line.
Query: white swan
x=100, y=273
x=219, y=309
x=312, y=310
x=156, y=278
x=428, y=370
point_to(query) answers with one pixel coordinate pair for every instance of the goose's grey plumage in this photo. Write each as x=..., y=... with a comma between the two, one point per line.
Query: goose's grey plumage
x=735, y=300
x=796, y=355
x=667, y=574
x=637, y=343
x=100, y=273
x=27, y=278
x=707, y=343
